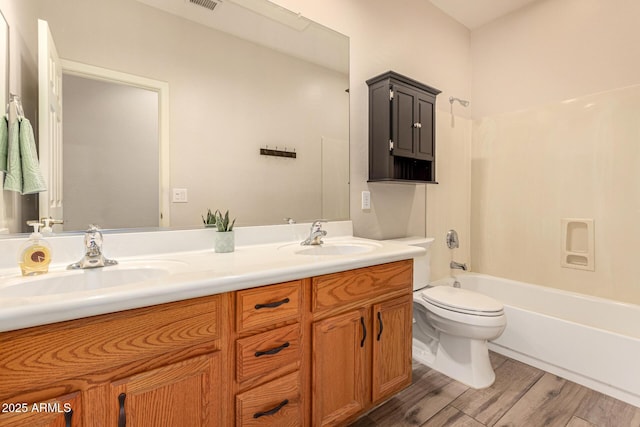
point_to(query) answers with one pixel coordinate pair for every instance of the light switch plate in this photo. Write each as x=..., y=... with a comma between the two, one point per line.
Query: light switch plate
x=179, y=195
x=366, y=200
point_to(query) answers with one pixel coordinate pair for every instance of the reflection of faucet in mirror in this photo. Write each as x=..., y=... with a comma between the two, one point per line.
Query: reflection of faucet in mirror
x=316, y=234
x=93, y=256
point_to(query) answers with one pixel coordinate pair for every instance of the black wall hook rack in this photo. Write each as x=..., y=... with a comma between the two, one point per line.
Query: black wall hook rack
x=278, y=153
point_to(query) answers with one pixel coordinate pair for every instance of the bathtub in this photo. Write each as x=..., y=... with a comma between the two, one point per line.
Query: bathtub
x=592, y=341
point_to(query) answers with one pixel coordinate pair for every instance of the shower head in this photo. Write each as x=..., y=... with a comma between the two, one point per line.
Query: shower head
x=462, y=102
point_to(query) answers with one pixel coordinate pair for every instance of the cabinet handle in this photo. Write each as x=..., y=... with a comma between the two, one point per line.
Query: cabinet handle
x=271, y=411
x=417, y=125
x=364, y=331
x=381, y=327
x=275, y=350
x=67, y=418
x=122, y=416
x=272, y=304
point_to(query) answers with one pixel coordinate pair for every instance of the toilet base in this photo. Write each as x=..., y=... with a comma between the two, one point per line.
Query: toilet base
x=462, y=359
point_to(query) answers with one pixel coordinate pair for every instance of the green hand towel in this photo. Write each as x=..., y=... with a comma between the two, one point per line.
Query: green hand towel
x=33, y=181
x=13, y=180
x=4, y=143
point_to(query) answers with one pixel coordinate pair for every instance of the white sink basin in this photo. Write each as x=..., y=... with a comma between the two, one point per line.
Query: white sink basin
x=336, y=249
x=62, y=282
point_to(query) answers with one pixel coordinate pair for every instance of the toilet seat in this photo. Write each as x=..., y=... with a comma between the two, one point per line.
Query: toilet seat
x=462, y=301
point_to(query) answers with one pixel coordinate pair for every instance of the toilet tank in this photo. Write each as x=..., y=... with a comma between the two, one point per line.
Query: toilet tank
x=421, y=264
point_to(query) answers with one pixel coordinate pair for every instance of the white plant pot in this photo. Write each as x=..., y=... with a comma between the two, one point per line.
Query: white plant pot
x=224, y=241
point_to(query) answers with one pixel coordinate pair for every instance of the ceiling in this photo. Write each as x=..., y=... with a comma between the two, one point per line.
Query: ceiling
x=476, y=13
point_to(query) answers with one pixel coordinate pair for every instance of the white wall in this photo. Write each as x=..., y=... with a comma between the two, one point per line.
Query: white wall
x=416, y=39
x=111, y=155
x=537, y=159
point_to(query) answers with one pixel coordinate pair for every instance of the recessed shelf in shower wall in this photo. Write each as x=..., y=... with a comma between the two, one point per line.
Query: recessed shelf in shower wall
x=577, y=249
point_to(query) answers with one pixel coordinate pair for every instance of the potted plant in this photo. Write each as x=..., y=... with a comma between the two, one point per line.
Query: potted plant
x=224, y=240
x=210, y=220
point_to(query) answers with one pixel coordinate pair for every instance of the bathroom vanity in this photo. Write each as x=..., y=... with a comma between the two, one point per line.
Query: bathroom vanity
x=315, y=350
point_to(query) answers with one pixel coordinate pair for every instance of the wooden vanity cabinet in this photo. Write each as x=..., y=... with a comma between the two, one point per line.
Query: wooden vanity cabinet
x=146, y=365
x=361, y=335
x=62, y=411
x=313, y=352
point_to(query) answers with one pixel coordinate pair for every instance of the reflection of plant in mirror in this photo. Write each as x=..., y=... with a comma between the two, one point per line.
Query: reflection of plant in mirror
x=222, y=222
x=210, y=219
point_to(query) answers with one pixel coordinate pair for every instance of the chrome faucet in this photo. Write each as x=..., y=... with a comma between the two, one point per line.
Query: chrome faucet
x=93, y=256
x=458, y=266
x=316, y=234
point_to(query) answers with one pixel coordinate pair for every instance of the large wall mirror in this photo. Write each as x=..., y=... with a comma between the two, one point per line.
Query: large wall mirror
x=241, y=75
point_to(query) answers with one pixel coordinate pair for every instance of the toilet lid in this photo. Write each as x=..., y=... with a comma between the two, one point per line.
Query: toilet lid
x=462, y=301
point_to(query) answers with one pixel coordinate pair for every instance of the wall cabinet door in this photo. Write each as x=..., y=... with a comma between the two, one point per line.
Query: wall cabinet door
x=182, y=394
x=391, y=370
x=404, y=114
x=424, y=129
x=339, y=367
x=412, y=123
x=64, y=411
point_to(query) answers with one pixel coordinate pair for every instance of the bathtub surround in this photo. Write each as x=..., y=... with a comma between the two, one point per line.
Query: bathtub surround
x=572, y=159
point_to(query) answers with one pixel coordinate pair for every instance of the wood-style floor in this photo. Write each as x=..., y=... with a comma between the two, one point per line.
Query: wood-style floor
x=522, y=396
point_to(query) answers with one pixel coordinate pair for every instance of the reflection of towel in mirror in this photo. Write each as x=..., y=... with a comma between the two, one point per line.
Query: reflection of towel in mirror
x=24, y=173
x=13, y=180
x=4, y=143
x=33, y=181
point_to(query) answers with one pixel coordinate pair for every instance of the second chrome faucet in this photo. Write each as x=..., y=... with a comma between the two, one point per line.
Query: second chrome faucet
x=315, y=234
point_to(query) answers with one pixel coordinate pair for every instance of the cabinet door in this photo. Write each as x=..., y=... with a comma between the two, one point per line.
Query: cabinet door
x=339, y=367
x=424, y=131
x=63, y=411
x=185, y=394
x=391, y=347
x=403, y=118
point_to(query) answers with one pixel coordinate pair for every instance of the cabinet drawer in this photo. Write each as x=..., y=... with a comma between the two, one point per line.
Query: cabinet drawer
x=276, y=403
x=266, y=352
x=335, y=289
x=268, y=305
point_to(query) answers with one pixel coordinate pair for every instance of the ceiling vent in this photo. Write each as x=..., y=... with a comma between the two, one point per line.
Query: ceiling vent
x=209, y=4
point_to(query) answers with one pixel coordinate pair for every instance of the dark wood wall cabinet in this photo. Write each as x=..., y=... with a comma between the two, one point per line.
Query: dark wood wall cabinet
x=401, y=129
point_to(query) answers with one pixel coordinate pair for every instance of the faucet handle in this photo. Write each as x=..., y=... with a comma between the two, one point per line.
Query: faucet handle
x=93, y=238
x=317, y=224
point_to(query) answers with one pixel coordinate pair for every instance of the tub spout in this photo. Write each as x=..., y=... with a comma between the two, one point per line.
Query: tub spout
x=458, y=266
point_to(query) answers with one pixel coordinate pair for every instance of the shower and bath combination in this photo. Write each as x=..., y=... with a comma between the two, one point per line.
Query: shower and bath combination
x=462, y=102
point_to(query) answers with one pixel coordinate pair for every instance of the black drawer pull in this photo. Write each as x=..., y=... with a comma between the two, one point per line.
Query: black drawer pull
x=272, y=304
x=271, y=411
x=122, y=417
x=364, y=331
x=67, y=418
x=380, y=322
x=275, y=350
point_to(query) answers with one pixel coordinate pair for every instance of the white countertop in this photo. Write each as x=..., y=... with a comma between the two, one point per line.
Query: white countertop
x=186, y=274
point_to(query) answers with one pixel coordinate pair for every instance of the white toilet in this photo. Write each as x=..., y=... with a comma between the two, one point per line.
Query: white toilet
x=451, y=326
